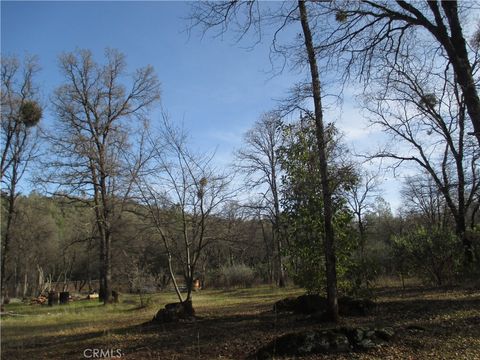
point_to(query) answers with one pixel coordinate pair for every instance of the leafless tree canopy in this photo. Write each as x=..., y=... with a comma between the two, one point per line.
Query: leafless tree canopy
x=183, y=192
x=20, y=111
x=425, y=112
x=259, y=162
x=98, y=113
x=362, y=37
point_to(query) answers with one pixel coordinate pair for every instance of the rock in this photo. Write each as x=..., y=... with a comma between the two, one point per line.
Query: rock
x=415, y=328
x=386, y=333
x=310, y=304
x=348, y=306
x=306, y=343
x=368, y=338
x=355, y=335
x=321, y=316
x=339, y=342
x=325, y=342
x=175, y=312
x=366, y=344
x=285, y=305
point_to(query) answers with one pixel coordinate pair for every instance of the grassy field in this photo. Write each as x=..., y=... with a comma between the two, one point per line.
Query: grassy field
x=233, y=323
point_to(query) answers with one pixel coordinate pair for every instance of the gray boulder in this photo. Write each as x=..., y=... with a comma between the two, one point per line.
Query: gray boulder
x=325, y=341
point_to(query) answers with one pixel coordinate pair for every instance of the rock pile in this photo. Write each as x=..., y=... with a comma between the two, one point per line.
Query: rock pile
x=315, y=304
x=325, y=342
x=175, y=312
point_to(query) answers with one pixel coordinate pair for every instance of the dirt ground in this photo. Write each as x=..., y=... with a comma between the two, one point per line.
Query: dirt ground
x=430, y=324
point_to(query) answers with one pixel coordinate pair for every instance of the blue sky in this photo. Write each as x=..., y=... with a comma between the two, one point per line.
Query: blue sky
x=216, y=87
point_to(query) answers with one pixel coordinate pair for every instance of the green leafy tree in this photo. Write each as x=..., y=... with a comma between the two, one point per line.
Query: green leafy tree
x=433, y=253
x=301, y=200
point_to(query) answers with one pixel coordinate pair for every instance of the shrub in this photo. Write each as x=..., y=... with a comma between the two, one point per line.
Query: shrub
x=434, y=254
x=235, y=276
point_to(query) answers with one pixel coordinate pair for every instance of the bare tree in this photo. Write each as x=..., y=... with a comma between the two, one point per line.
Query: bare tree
x=424, y=110
x=258, y=160
x=360, y=196
x=97, y=117
x=182, y=192
x=361, y=35
x=20, y=112
x=421, y=196
x=248, y=15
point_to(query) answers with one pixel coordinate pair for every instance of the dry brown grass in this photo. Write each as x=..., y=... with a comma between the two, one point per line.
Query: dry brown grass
x=233, y=323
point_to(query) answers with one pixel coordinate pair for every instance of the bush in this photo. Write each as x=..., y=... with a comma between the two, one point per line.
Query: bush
x=360, y=275
x=233, y=276
x=434, y=254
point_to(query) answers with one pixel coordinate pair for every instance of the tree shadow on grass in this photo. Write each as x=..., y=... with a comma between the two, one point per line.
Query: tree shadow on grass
x=418, y=309
x=238, y=335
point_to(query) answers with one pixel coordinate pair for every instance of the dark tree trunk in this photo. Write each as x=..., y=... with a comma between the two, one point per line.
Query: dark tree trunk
x=277, y=239
x=8, y=229
x=101, y=271
x=281, y=273
x=456, y=48
x=108, y=272
x=330, y=259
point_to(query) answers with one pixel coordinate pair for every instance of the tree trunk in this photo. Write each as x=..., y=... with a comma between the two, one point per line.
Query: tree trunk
x=456, y=48
x=270, y=265
x=330, y=259
x=108, y=271
x=15, y=280
x=281, y=272
x=25, y=283
x=101, y=270
x=172, y=277
x=8, y=228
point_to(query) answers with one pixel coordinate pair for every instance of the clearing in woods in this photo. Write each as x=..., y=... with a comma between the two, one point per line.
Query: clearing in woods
x=232, y=324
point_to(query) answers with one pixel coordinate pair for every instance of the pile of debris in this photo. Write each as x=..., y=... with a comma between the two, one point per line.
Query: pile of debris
x=40, y=299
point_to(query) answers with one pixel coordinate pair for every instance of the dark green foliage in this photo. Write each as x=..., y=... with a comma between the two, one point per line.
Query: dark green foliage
x=341, y=16
x=428, y=100
x=30, y=113
x=360, y=275
x=302, y=203
x=431, y=253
